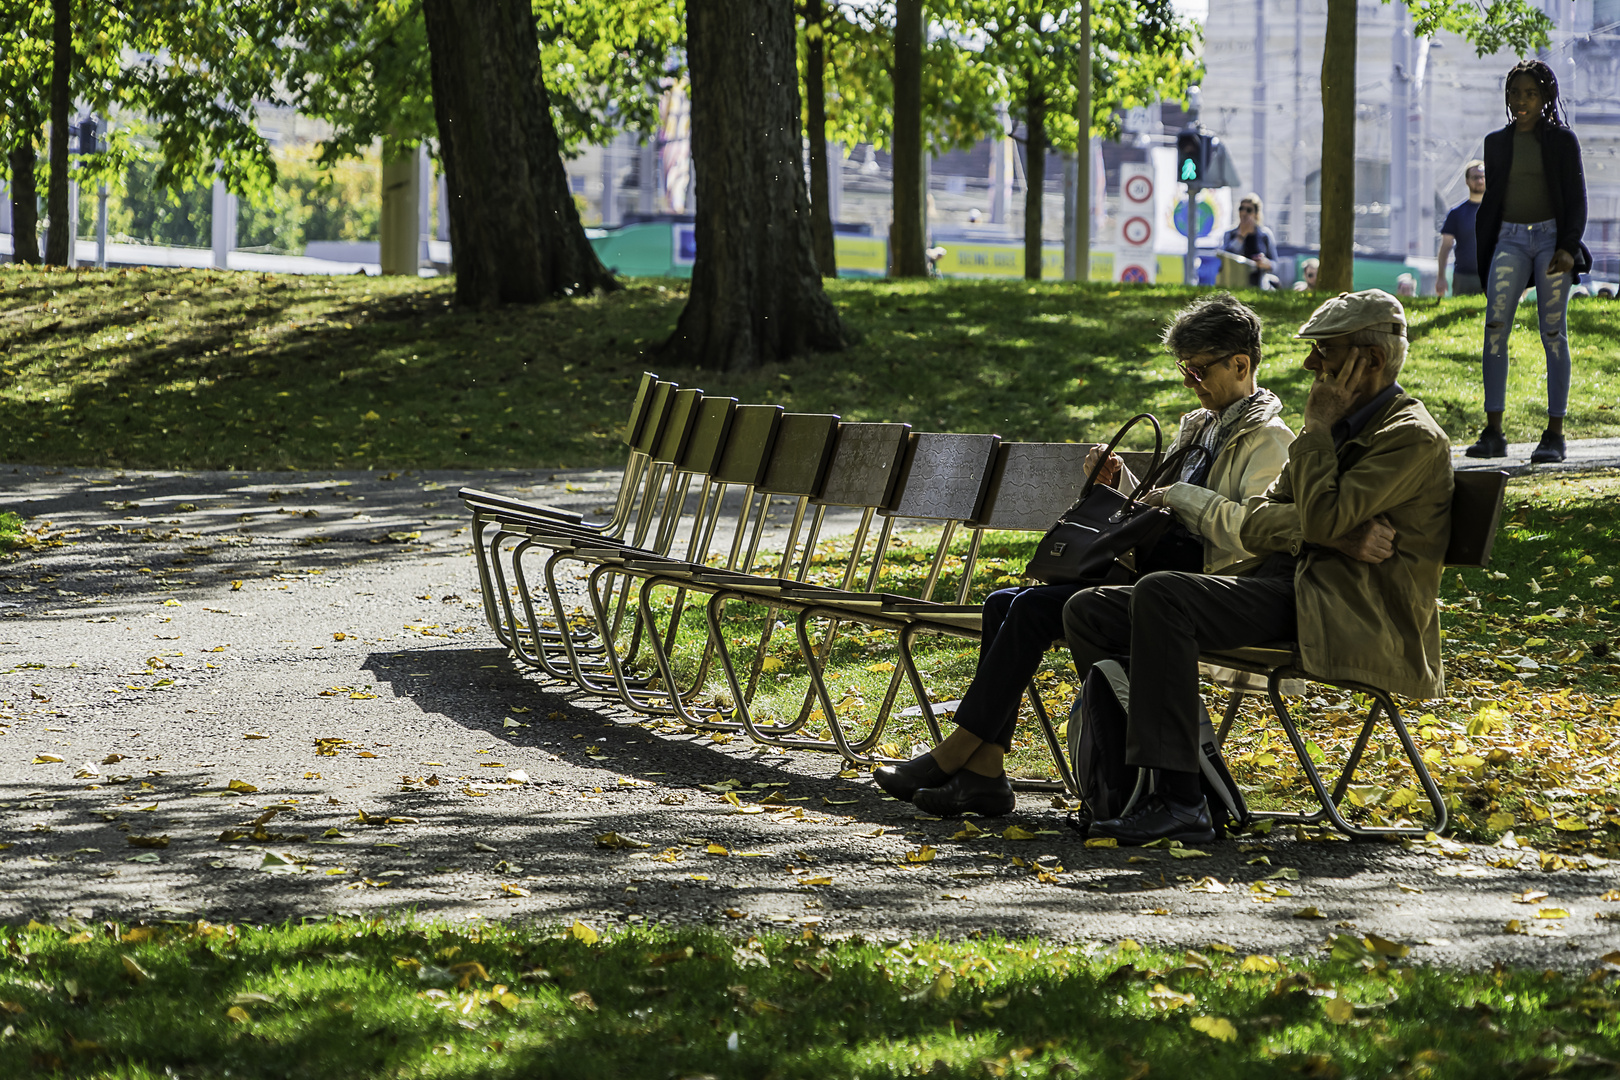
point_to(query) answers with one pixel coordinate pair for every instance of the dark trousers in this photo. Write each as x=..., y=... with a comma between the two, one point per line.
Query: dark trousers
x=1162, y=623
x=1464, y=283
x=1019, y=626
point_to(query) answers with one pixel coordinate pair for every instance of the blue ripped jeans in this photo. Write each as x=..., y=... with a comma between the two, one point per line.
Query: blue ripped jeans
x=1522, y=254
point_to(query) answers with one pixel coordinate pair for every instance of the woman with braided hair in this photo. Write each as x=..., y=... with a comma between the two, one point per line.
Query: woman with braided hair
x=1529, y=230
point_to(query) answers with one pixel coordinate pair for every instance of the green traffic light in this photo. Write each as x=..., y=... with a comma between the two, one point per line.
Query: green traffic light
x=1189, y=170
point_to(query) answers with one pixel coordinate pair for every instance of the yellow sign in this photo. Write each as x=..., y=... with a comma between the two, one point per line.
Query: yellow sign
x=861, y=255
x=997, y=260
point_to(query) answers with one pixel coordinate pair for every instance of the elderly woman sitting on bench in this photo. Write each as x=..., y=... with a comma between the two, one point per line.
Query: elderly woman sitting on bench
x=1216, y=343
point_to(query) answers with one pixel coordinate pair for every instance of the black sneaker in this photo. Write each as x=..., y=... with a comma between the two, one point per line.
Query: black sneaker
x=1549, y=450
x=1494, y=444
x=1160, y=818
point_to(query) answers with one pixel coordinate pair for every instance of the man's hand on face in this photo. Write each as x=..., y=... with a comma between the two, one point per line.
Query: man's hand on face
x=1333, y=397
x=1370, y=542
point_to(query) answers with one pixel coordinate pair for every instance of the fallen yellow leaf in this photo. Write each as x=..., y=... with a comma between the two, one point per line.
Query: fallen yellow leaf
x=1016, y=832
x=1262, y=963
x=1338, y=1010
x=242, y=786
x=237, y=1015
x=134, y=970
x=1216, y=1027
x=47, y=759
x=584, y=932
x=921, y=855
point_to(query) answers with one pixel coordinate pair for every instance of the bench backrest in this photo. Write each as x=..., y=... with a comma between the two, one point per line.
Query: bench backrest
x=638, y=408
x=943, y=476
x=709, y=433
x=1031, y=484
x=798, y=460
x=865, y=465
x=1476, y=510
x=748, y=446
x=659, y=400
x=678, y=428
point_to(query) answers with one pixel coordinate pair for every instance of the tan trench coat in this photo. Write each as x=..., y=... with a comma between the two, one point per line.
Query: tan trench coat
x=1375, y=623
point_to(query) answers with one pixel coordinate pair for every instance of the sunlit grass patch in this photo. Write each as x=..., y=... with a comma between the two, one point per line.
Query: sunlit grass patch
x=403, y=997
x=204, y=369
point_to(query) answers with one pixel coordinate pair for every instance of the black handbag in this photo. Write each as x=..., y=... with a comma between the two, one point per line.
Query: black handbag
x=1106, y=525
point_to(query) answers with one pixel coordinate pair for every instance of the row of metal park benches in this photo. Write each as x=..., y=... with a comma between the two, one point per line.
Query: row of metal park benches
x=702, y=467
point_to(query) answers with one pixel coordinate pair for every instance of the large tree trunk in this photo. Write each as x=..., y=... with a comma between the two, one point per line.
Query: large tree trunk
x=1035, y=178
x=1338, y=149
x=24, y=203
x=59, y=241
x=815, y=83
x=910, y=233
x=756, y=296
x=513, y=225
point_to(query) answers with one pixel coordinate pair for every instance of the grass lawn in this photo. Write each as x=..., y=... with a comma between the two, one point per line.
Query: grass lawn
x=403, y=998
x=201, y=369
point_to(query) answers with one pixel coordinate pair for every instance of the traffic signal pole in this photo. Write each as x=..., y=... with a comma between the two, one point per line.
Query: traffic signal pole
x=1193, y=188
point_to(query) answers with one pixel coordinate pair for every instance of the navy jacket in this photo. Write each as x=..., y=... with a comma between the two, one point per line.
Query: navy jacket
x=1566, y=185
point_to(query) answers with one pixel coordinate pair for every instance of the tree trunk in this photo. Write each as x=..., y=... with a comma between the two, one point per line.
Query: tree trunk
x=756, y=296
x=24, y=203
x=514, y=227
x=59, y=241
x=1081, y=239
x=815, y=83
x=1337, y=270
x=910, y=233
x=1034, y=178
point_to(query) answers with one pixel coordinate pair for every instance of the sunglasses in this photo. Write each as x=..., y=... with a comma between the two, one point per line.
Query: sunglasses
x=1196, y=374
x=1250, y=209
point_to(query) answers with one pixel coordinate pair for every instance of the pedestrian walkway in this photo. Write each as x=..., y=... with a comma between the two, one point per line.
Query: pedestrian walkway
x=1582, y=455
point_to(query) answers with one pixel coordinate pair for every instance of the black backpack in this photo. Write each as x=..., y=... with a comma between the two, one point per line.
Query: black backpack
x=1108, y=786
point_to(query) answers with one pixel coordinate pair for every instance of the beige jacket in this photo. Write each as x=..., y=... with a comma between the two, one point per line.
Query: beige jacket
x=1244, y=468
x=1374, y=623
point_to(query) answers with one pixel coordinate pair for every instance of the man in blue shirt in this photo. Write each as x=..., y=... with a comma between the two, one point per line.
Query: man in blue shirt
x=1458, y=232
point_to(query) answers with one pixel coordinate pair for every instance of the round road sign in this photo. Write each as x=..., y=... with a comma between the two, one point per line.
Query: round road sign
x=1139, y=188
x=1137, y=230
x=1133, y=275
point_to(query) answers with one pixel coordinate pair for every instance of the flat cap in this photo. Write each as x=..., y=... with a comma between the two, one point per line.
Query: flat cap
x=1370, y=309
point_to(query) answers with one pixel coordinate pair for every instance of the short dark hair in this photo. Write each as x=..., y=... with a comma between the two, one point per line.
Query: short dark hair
x=1220, y=323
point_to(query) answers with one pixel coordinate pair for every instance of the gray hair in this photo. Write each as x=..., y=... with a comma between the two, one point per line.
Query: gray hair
x=1394, y=346
x=1219, y=323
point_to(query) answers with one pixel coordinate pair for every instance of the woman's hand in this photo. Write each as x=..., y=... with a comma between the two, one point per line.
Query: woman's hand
x=1262, y=262
x=1562, y=262
x=1109, y=474
x=1155, y=497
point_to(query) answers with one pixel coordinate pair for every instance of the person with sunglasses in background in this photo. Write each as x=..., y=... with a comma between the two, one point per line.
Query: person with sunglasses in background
x=1251, y=239
x=1528, y=231
x=1216, y=342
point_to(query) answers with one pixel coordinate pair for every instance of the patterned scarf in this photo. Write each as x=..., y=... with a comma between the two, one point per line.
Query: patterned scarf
x=1214, y=429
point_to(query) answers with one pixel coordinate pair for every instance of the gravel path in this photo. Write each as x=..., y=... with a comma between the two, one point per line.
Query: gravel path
x=286, y=682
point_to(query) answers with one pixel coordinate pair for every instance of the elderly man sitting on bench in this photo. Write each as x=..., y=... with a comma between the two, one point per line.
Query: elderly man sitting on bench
x=1356, y=530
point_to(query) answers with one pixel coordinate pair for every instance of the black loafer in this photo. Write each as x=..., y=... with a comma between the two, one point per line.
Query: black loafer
x=1158, y=818
x=1491, y=444
x=907, y=778
x=968, y=792
x=1549, y=451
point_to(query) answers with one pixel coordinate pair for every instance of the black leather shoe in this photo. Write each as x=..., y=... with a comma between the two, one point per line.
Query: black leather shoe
x=1491, y=444
x=968, y=792
x=1158, y=818
x=1551, y=449
x=907, y=778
